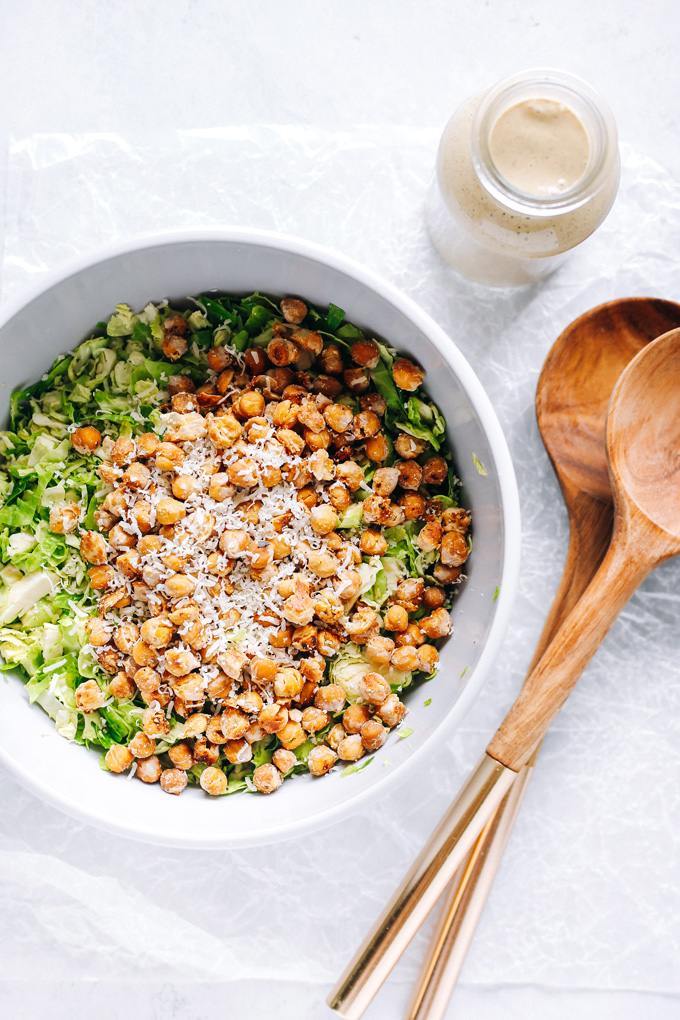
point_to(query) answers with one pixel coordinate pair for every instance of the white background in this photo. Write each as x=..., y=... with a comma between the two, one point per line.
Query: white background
x=584, y=917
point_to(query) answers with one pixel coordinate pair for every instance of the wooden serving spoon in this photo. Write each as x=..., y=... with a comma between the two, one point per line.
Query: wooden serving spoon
x=572, y=397
x=643, y=446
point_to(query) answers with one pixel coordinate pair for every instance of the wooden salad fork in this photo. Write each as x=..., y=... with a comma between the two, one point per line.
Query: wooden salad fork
x=572, y=397
x=643, y=440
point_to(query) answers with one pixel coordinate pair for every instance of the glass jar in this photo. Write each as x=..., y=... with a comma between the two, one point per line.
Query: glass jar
x=505, y=231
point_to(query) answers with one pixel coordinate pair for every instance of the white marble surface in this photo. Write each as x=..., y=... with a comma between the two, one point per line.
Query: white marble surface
x=584, y=916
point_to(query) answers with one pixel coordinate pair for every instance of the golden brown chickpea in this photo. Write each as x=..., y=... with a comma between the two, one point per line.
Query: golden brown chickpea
x=267, y=778
x=93, y=548
x=373, y=402
x=122, y=687
x=169, y=456
x=373, y=688
x=385, y=481
x=284, y=760
x=136, y=477
x=327, y=386
x=125, y=637
x=317, y=440
x=373, y=542
x=373, y=735
x=428, y=657
x=335, y=735
x=121, y=539
x=213, y=781
x=118, y=758
x=379, y=650
x=323, y=519
x=108, y=474
x=409, y=447
x=339, y=417
x=169, y=511
x=354, y=718
x=173, y=781
x=149, y=769
x=64, y=518
x=435, y=470
x=179, y=586
x=288, y=683
x=407, y=375
x=180, y=384
x=157, y=631
x=413, y=505
x=413, y=635
x=123, y=451
x=410, y=474
x=339, y=496
x=392, y=711
x=363, y=623
x=446, y=575
x=304, y=638
x=313, y=719
x=409, y=593
x=174, y=346
x=237, y=752
x=365, y=353
x=437, y=624
x=194, y=726
x=141, y=513
x=184, y=486
x=184, y=403
x=154, y=723
x=293, y=310
x=89, y=696
x=356, y=380
x=310, y=417
x=404, y=658
x=330, y=698
x=351, y=474
x=141, y=745
x=328, y=643
x=430, y=536
x=282, y=352
x=365, y=425
x=292, y=735
x=321, y=760
x=251, y=404
x=454, y=549
x=377, y=448
x=103, y=519
x=179, y=662
x=330, y=360
x=434, y=597
x=115, y=503
x=86, y=440
x=116, y=599
x=130, y=563
x=101, y=577
x=396, y=618
x=328, y=607
x=351, y=748
x=218, y=359
x=273, y=718
x=205, y=752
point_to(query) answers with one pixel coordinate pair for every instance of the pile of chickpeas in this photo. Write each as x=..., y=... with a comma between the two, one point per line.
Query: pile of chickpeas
x=282, y=398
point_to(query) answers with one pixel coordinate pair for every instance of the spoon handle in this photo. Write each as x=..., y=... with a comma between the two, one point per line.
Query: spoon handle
x=631, y=556
x=590, y=529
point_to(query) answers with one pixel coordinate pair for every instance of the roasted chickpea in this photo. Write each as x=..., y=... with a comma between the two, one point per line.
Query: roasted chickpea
x=205, y=752
x=292, y=735
x=125, y=637
x=313, y=719
x=288, y=683
x=356, y=380
x=373, y=402
x=169, y=511
x=404, y=658
x=338, y=417
x=323, y=519
x=365, y=425
x=157, y=632
x=115, y=503
x=409, y=593
x=213, y=781
x=355, y=717
x=101, y=577
x=93, y=548
x=373, y=542
x=377, y=448
x=273, y=718
x=392, y=711
x=430, y=536
x=407, y=375
x=454, y=549
x=251, y=404
x=282, y=352
x=86, y=440
x=118, y=758
x=180, y=384
x=120, y=538
x=327, y=386
x=330, y=360
x=184, y=486
x=351, y=748
x=413, y=505
x=339, y=496
x=410, y=474
x=408, y=446
x=365, y=353
x=379, y=650
x=373, y=734
x=64, y=518
x=321, y=760
x=141, y=745
x=434, y=597
x=428, y=657
x=218, y=359
x=330, y=698
x=285, y=761
x=89, y=696
x=437, y=624
x=123, y=451
x=435, y=470
x=267, y=778
x=373, y=688
x=173, y=781
x=396, y=618
x=122, y=687
x=446, y=575
x=179, y=662
x=154, y=723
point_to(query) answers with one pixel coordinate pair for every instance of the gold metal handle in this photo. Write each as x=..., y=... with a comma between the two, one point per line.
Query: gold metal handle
x=437, y=863
x=463, y=906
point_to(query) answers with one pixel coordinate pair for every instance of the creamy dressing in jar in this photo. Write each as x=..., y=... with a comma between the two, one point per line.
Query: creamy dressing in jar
x=525, y=171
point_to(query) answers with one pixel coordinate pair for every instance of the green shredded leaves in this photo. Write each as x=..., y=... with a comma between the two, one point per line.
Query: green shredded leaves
x=403, y=733
x=351, y=769
x=478, y=464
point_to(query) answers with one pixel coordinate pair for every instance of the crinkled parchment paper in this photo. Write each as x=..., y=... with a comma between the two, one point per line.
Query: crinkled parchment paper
x=588, y=895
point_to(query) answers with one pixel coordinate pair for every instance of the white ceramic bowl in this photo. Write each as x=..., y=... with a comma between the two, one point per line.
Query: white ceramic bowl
x=58, y=314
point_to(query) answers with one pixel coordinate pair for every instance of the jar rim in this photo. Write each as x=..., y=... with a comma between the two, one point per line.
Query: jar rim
x=584, y=101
